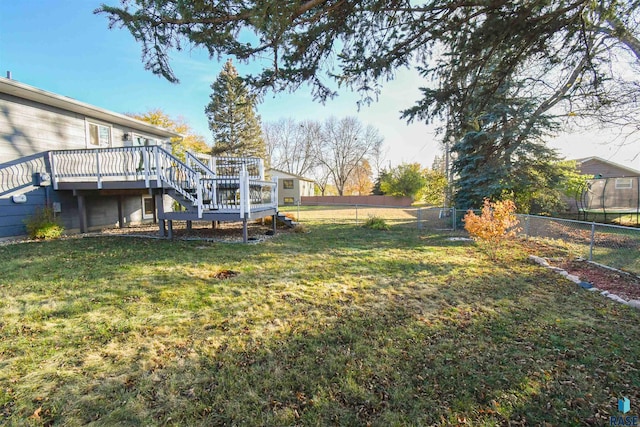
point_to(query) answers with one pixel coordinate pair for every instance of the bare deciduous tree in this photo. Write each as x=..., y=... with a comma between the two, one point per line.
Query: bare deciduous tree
x=345, y=144
x=292, y=145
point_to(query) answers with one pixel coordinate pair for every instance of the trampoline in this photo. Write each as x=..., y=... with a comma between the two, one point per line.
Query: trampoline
x=611, y=198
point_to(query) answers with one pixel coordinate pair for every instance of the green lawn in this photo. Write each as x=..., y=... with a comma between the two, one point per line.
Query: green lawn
x=340, y=326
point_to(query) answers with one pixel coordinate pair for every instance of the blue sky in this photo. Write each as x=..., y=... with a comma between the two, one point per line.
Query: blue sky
x=62, y=47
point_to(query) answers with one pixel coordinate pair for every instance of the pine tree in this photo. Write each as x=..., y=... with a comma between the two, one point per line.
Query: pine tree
x=232, y=117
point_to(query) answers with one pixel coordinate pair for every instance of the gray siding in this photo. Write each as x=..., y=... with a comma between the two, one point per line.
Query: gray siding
x=13, y=215
x=19, y=178
x=28, y=128
x=605, y=170
x=102, y=211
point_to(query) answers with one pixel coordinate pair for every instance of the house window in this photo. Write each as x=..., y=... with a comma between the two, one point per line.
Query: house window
x=289, y=201
x=147, y=207
x=624, y=183
x=98, y=135
x=287, y=184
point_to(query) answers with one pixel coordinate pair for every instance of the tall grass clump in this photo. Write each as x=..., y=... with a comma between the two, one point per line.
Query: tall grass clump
x=376, y=223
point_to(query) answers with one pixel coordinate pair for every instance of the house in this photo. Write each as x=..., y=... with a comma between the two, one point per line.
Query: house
x=291, y=188
x=98, y=168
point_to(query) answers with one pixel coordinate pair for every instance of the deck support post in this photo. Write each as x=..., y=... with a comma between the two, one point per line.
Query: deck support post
x=82, y=212
x=120, y=212
x=245, y=234
x=274, y=218
x=189, y=225
x=160, y=213
x=170, y=229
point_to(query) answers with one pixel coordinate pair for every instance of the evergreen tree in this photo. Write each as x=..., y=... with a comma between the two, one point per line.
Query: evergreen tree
x=501, y=152
x=232, y=117
x=377, y=185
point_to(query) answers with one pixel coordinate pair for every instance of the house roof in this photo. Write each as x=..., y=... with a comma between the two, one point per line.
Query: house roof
x=24, y=91
x=291, y=175
x=632, y=172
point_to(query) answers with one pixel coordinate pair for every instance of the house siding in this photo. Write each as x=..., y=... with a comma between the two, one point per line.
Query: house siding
x=18, y=177
x=603, y=170
x=27, y=128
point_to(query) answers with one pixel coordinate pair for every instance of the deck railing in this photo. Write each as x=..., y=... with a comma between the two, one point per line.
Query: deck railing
x=124, y=163
x=205, y=186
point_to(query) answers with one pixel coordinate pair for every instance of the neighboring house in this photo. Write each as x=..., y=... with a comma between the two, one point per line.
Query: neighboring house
x=291, y=188
x=98, y=168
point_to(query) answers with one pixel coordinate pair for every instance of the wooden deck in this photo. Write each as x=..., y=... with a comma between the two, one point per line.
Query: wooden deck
x=209, y=189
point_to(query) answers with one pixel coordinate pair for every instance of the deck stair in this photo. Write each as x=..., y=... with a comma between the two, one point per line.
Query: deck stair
x=286, y=220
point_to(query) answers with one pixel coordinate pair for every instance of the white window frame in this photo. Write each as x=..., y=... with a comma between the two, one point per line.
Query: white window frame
x=90, y=123
x=624, y=183
x=145, y=215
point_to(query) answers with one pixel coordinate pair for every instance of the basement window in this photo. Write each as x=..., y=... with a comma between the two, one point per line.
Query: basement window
x=288, y=201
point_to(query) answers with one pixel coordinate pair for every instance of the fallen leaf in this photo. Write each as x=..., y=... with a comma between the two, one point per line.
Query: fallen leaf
x=36, y=414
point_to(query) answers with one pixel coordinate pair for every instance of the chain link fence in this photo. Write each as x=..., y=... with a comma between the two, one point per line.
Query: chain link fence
x=611, y=245
x=410, y=217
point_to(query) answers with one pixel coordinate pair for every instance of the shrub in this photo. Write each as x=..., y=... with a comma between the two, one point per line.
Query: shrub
x=376, y=223
x=496, y=224
x=43, y=225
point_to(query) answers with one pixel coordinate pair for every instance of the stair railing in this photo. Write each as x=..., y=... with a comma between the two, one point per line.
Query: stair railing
x=207, y=178
x=179, y=176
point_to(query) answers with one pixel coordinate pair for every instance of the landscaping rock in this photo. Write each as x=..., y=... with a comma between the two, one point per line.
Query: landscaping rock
x=574, y=279
x=616, y=298
x=539, y=260
x=634, y=303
